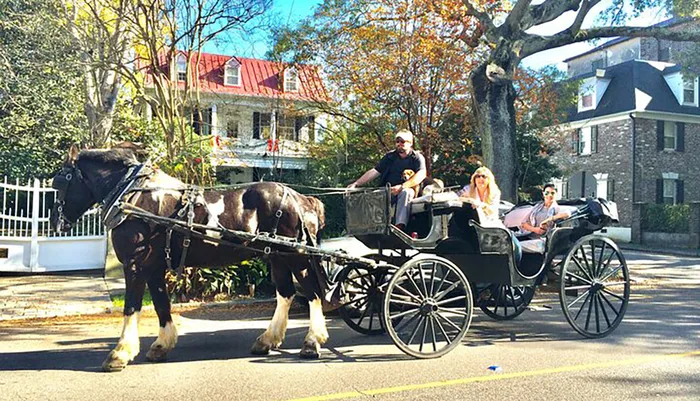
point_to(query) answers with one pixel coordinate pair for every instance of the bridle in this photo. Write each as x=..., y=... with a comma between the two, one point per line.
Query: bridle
x=60, y=183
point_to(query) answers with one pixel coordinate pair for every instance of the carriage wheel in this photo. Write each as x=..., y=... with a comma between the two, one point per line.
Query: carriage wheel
x=428, y=307
x=503, y=302
x=595, y=286
x=363, y=287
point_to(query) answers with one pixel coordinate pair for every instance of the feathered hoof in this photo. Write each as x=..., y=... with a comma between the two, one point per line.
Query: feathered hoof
x=114, y=363
x=157, y=353
x=310, y=350
x=260, y=348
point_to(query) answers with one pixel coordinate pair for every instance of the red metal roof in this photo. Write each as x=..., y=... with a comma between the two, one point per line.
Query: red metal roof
x=258, y=78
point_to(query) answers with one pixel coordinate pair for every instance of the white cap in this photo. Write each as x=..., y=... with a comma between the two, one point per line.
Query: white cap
x=405, y=134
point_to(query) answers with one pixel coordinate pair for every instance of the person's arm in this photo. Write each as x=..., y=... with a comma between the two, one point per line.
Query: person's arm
x=527, y=225
x=368, y=176
x=557, y=216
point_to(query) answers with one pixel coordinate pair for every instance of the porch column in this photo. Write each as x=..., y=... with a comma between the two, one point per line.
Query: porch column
x=214, y=120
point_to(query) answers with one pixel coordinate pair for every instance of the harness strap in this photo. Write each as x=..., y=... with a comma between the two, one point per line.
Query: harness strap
x=278, y=213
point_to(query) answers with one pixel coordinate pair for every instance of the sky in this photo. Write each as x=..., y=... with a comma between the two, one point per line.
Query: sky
x=292, y=11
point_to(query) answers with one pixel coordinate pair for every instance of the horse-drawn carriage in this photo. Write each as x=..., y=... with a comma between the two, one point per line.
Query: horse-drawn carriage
x=419, y=288
x=424, y=292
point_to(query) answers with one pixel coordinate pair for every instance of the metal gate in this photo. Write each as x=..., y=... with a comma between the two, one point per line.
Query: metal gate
x=27, y=242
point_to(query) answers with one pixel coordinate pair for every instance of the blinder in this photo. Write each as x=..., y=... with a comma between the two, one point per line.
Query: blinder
x=60, y=183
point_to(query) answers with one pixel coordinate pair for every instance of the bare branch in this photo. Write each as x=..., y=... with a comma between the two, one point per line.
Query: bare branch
x=537, y=44
x=515, y=18
x=548, y=11
x=483, y=17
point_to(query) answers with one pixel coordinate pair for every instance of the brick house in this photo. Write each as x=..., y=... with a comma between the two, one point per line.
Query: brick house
x=263, y=114
x=635, y=132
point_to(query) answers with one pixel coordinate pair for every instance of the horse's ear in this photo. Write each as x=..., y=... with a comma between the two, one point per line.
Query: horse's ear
x=72, y=154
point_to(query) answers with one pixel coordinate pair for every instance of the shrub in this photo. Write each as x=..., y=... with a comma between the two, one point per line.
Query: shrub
x=665, y=218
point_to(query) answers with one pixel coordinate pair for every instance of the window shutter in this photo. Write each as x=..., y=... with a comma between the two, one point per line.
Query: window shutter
x=196, y=123
x=680, y=137
x=611, y=189
x=594, y=139
x=659, y=135
x=660, y=190
x=256, y=125
x=297, y=128
x=679, y=191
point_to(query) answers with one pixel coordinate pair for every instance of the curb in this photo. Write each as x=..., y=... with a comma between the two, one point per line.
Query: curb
x=661, y=251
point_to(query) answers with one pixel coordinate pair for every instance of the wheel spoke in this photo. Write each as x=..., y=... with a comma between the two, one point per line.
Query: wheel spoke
x=617, y=313
x=432, y=280
x=449, y=322
x=605, y=290
x=583, y=305
x=594, y=301
x=498, y=299
x=512, y=299
x=574, y=258
x=577, y=277
x=577, y=287
x=454, y=310
x=445, y=292
x=407, y=292
x=612, y=273
x=607, y=261
x=413, y=282
x=602, y=309
x=447, y=301
x=404, y=313
x=590, y=308
x=600, y=259
x=591, y=243
x=422, y=281
x=364, y=314
x=415, y=330
x=425, y=331
x=442, y=329
x=406, y=322
x=356, y=300
x=578, y=299
x=432, y=331
x=401, y=302
x=616, y=284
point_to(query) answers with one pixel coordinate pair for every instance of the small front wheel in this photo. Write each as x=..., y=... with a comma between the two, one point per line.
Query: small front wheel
x=503, y=302
x=595, y=286
x=428, y=307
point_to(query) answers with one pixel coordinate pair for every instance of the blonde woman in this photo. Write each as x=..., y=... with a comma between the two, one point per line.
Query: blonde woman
x=483, y=193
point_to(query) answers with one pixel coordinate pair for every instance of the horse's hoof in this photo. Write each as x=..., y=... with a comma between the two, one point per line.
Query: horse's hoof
x=157, y=354
x=113, y=363
x=309, y=350
x=260, y=348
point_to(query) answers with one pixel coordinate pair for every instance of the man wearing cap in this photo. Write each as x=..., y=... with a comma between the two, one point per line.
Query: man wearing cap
x=390, y=169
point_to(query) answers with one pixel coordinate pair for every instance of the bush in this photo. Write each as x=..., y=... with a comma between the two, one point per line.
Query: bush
x=665, y=218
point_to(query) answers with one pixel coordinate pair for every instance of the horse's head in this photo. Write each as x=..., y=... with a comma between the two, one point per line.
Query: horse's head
x=84, y=180
x=73, y=194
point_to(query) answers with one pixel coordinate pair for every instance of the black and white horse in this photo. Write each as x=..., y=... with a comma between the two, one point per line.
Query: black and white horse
x=94, y=176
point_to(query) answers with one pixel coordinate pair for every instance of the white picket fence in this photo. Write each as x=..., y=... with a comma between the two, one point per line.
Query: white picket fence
x=29, y=244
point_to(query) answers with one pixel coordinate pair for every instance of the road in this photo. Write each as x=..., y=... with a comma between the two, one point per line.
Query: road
x=654, y=354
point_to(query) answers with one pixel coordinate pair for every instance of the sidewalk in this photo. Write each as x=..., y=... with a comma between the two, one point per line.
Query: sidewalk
x=659, y=250
x=25, y=297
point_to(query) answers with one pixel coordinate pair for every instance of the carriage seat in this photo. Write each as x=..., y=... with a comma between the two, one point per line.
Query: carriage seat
x=440, y=200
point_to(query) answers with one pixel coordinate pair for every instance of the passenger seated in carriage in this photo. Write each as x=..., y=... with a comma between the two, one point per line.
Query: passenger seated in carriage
x=541, y=219
x=485, y=196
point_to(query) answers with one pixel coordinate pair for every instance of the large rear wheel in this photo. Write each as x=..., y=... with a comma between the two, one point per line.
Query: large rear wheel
x=428, y=307
x=595, y=286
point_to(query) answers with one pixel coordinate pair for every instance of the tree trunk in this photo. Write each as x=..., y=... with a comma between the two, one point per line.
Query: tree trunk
x=494, y=108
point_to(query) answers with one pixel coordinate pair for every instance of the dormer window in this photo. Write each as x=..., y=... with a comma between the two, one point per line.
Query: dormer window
x=232, y=73
x=291, y=80
x=586, y=97
x=181, y=68
x=689, y=91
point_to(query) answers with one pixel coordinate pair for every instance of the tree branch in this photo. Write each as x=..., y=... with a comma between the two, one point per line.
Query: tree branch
x=548, y=11
x=483, y=17
x=539, y=43
x=517, y=14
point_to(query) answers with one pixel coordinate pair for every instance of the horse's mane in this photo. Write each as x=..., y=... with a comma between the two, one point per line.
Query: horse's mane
x=121, y=156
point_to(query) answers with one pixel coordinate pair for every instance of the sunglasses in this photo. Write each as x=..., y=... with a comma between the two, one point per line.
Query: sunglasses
x=549, y=192
x=480, y=176
x=399, y=140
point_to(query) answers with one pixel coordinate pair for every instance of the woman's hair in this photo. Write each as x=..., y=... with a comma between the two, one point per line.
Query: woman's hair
x=549, y=185
x=492, y=190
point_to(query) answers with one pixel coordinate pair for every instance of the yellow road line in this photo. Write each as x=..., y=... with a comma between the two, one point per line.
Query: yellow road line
x=494, y=377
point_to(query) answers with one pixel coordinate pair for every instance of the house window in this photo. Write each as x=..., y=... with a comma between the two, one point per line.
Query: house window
x=598, y=64
x=181, y=68
x=669, y=135
x=232, y=129
x=665, y=54
x=587, y=141
x=232, y=73
x=311, y=128
x=202, y=126
x=291, y=80
x=688, y=91
x=669, y=196
x=587, y=100
x=286, y=128
x=262, y=123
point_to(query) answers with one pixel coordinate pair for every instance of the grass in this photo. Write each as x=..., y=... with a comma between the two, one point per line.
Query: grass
x=118, y=299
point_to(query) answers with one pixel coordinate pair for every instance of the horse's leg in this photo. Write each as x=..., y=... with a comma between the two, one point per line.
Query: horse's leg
x=274, y=335
x=128, y=346
x=167, y=333
x=318, y=333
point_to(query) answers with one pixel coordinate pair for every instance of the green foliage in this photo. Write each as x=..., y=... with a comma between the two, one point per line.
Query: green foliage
x=41, y=99
x=118, y=299
x=665, y=218
x=254, y=271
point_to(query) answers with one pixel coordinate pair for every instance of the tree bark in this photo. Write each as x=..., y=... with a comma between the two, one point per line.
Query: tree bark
x=494, y=109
